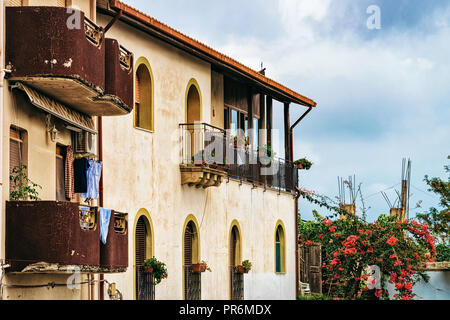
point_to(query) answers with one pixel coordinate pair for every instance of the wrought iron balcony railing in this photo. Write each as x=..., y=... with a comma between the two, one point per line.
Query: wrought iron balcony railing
x=209, y=146
x=93, y=32
x=192, y=284
x=145, y=289
x=237, y=284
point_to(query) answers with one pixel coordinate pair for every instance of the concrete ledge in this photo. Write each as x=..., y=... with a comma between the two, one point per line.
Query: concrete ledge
x=438, y=266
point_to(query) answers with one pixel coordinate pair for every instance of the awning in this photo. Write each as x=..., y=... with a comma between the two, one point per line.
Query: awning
x=58, y=110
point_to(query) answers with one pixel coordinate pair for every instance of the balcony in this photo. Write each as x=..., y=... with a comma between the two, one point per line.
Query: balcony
x=51, y=236
x=197, y=168
x=73, y=64
x=210, y=155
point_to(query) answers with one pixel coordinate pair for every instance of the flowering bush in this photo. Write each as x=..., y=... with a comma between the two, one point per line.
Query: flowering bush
x=350, y=246
x=156, y=268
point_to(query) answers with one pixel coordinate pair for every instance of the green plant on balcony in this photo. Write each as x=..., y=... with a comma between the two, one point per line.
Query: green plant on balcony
x=240, y=142
x=23, y=188
x=266, y=151
x=303, y=164
x=156, y=268
x=247, y=265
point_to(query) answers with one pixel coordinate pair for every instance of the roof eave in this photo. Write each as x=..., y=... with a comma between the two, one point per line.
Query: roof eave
x=193, y=46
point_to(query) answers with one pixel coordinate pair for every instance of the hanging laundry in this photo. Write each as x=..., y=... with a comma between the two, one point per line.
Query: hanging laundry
x=69, y=174
x=80, y=168
x=94, y=173
x=105, y=217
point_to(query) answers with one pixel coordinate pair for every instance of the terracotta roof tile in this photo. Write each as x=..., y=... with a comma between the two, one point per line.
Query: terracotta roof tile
x=179, y=36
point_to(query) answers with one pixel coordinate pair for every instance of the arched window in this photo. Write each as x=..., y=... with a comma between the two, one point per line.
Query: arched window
x=143, y=96
x=280, y=249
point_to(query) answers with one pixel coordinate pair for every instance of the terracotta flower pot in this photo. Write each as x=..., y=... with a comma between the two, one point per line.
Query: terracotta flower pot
x=199, y=267
x=241, y=269
x=299, y=166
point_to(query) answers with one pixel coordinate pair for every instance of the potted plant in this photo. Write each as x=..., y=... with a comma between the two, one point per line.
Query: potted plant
x=200, y=267
x=245, y=267
x=156, y=268
x=303, y=164
x=266, y=151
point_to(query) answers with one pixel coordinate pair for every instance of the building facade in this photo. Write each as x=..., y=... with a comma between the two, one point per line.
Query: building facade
x=183, y=134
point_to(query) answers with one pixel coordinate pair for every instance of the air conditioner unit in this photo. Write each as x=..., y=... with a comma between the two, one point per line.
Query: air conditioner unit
x=85, y=142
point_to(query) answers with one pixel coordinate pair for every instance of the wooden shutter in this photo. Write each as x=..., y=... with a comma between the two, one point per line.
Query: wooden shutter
x=140, y=241
x=14, y=3
x=137, y=92
x=60, y=174
x=233, y=248
x=61, y=3
x=188, y=245
x=15, y=151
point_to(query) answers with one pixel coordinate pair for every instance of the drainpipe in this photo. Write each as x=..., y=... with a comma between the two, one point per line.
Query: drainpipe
x=2, y=77
x=100, y=199
x=291, y=131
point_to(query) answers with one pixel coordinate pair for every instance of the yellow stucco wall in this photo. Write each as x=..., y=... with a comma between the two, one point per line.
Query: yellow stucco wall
x=142, y=171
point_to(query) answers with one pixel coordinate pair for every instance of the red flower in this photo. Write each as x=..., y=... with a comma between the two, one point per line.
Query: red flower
x=408, y=286
x=321, y=236
x=341, y=269
x=393, y=277
x=392, y=241
x=370, y=250
x=335, y=262
x=399, y=285
x=369, y=232
x=328, y=222
x=398, y=263
x=336, y=276
x=308, y=243
x=350, y=251
x=378, y=293
x=337, y=235
x=393, y=256
x=333, y=229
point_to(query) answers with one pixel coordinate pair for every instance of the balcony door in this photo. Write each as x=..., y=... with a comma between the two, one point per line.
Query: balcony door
x=192, y=280
x=145, y=290
x=194, y=115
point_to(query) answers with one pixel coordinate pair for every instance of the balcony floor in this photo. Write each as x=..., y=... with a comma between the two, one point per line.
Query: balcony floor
x=77, y=94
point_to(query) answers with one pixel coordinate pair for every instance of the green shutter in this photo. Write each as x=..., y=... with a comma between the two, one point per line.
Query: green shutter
x=278, y=257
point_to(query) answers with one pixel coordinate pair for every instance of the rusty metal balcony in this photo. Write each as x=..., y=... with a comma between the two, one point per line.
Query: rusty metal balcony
x=73, y=64
x=210, y=155
x=52, y=236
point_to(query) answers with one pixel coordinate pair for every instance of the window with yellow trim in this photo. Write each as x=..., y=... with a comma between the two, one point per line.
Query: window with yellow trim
x=143, y=114
x=280, y=250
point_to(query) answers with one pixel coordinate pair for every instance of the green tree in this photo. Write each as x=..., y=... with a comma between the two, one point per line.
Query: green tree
x=22, y=187
x=438, y=220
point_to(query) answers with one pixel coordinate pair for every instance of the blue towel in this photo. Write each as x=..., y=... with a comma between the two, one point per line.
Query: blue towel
x=105, y=217
x=93, y=179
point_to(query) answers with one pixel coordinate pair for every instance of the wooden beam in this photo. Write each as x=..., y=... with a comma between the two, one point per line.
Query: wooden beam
x=269, y=119
x=287, y=133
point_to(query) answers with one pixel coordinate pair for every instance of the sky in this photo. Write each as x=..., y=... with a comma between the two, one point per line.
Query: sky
x=382, y=94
